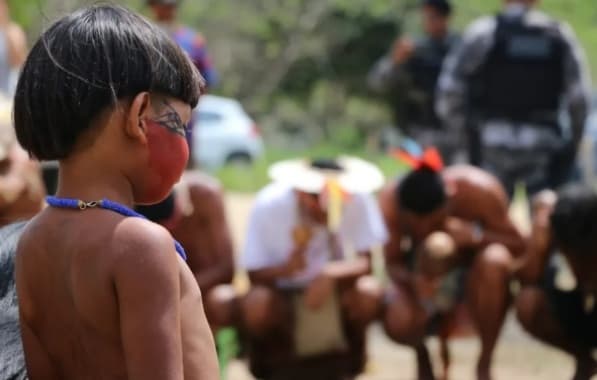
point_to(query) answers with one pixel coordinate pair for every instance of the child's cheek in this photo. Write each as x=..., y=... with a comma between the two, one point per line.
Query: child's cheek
x=168, y=156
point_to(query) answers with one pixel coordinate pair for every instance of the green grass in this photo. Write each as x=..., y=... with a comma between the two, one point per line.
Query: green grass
x=249, y=179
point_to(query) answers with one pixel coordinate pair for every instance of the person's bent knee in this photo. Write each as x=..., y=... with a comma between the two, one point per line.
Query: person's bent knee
x=363, y=305
x=496, y=256
x=404, y=322
x=258, y=309
x=528, y=306
x=221, y=306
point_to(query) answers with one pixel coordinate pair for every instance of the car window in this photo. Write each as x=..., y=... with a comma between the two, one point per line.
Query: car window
x=209, y=117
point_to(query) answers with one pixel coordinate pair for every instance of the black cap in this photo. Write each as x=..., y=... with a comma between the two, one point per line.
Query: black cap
x=163, y=2
x=326, y=164
x=444, y=7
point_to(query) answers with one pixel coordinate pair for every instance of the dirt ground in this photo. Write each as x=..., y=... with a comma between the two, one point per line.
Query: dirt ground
x=518, y=357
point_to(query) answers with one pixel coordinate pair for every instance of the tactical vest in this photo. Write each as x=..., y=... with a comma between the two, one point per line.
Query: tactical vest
x=522, y=78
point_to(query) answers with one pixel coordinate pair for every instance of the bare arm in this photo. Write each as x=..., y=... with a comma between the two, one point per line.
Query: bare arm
x=209, y=206
x=268, y=276
x=395, y=265
x=348, y=270
x=147, y=287
x=11, y=188
x=539, y=242
x=497, y=225
x=17, y=45
x=16, y=42
x=342, y=271
x=12, y=180
x=483, y=218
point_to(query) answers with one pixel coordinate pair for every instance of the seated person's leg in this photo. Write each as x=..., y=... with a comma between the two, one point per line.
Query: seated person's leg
x=266, y=320
x=263, y=310
x=362, y=303
x=535, y=314
x=222, y=306
x=405, y=321
x=489, y=299
x=411, y=311
x=558, y=318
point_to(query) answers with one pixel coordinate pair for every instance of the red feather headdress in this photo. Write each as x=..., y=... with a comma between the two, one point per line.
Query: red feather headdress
x=430, y=159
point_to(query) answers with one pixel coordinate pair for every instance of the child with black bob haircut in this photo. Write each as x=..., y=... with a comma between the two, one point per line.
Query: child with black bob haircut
x=102, y=291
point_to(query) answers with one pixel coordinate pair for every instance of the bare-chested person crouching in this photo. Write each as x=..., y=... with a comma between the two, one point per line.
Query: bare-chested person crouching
x=194, y=213
x=451, y=245
x=557, y=300
x=104, y=293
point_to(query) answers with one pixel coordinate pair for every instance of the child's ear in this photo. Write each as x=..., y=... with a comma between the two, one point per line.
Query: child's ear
x=138, y=116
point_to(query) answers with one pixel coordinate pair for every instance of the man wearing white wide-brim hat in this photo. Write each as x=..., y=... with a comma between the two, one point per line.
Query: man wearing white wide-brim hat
x=308, y=295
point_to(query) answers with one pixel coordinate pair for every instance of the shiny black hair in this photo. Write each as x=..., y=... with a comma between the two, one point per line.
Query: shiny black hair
x=421, y=191
x=159, y=212
x=86, y=62
x=574, y=219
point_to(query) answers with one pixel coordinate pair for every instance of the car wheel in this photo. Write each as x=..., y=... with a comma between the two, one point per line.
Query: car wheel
x=239, y=159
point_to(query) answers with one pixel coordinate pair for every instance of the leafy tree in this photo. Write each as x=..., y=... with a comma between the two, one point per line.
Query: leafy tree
x=300, y=65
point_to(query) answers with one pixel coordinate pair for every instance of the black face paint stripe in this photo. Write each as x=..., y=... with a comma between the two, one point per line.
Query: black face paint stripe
x=171, y=121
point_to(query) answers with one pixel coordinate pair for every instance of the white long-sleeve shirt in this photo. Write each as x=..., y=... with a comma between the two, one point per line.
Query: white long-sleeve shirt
x=274, y=216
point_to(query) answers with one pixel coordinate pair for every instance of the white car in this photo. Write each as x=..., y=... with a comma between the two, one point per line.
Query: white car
x=223, y=133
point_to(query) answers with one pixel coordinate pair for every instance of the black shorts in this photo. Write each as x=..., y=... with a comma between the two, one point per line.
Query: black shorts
x=272, y=356
x=569, y=309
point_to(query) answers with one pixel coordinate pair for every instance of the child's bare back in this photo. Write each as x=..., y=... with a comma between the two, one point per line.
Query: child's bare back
x=104, y=294
x=79, y=295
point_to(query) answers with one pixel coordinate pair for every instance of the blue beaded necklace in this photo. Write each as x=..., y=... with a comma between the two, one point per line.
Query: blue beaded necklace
x=105, y=204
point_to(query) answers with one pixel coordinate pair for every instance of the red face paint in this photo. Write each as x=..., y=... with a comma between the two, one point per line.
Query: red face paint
x=168, y=156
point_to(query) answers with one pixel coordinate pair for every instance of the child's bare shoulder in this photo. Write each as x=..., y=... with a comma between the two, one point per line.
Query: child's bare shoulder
x=122, y=244
x=33, y=233
x=139, y=239
x=145, y=266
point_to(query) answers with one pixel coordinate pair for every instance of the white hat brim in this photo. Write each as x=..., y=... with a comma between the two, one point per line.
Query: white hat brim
x=357, y=175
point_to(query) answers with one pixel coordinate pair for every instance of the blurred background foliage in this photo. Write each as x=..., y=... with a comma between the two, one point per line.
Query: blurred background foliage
x=299, y=66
